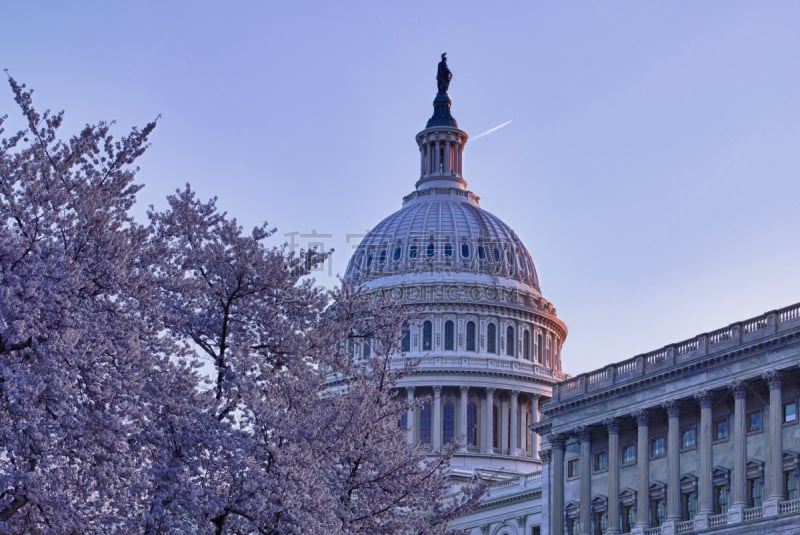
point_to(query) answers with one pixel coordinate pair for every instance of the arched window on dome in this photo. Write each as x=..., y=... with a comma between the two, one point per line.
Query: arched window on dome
x=448, y=422
x=412, y=251
x=405, y=343
x=547, y=361
x=382, y=257
x=491, y=338
x=449, y=336
x=425, y=423
x=526, y=344
x=470, y=336
x=427, y=336
x=539, y=348
x=472, y=424
x=448, y=249
x=510, y=349
x=465, y=250
x=430, y=250
x=398, y=251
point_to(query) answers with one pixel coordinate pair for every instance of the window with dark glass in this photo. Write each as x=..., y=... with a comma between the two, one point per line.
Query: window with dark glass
x=404, y=421
x=465, y=250
x=491, y=338
x=689, y=438
x=425, y=423
x=448, y=249
x=753, y=421
x=526, y=344
x=539, y=348
x=628, y=518
x=481, y=252
x=790, y=412
x=470, y=336
x=472, y=424
x=629, y=454
x=449, y=336
x=510, y=341
x=755, y=487
x=382, y=257
x=720, y=499
x=397, y=252
x=658, y=510
x=689, y=503
x=412, y=251
x=430, y=250
x=599, y=522
x=721, y=429
x=601, y=461
x=573, y=467
x=427, y=336
x=405, y=344
x=658, y=447
x=496, y=253
x=790, y=484
x=448, y=422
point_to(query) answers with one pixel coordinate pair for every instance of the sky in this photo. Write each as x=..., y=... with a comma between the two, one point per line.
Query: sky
x=650, y=165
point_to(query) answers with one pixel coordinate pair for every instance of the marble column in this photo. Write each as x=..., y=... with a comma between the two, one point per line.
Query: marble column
x=673, y=462
x=642, y=469
x=437, y=418
x=462, y=417
x=704, y=482
x=612, y=525
x=503, y=427
x=410, y=416
x=557, y=486
x=513, y=447
x=775, y=453
x=739, y=446
x=488, y=423
x=534, y=419
x=585, y=481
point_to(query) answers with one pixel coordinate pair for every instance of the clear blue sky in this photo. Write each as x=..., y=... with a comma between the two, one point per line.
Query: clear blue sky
x=651, y=165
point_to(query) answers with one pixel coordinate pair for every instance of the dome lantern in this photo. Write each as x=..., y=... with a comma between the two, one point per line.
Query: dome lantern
x=441, y=143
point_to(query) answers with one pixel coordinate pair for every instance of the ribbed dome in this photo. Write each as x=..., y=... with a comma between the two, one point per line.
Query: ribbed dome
x=441, y=233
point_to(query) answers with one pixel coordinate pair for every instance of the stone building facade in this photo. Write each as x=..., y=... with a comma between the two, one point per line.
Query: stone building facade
x=701, y=436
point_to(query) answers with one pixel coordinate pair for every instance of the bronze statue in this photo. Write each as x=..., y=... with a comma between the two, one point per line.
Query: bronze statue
x=443, y=75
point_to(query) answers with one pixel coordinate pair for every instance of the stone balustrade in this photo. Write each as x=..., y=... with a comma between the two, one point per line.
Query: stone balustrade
x=674, y=355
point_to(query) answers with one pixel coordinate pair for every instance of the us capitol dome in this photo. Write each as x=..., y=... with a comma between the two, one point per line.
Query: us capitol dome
x=485, y=344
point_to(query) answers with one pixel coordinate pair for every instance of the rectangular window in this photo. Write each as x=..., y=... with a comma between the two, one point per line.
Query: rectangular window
x=689, y=500
x=536, y=530
x=754, y=488
x=573, y=468
x=790, y=483
x=720, y=499
x=599, y=523
x=658, y=447
x=721, y=430
x=658, y=510
x=790, y=412
x=689, y=438
x=629, y=454
x=753, y=421
x=628, y=518
x=600, y=461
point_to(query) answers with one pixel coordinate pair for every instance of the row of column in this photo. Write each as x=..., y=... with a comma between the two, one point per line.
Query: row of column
x=441, y=158
x=774, y=474
x=515, y=431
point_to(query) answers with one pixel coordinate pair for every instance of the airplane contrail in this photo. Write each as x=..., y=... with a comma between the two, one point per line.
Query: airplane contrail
x=495, y=129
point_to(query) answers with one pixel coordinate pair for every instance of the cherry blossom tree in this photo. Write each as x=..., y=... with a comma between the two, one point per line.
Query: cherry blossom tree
x=182, y=375
x=83, y=367
x=318, y=446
